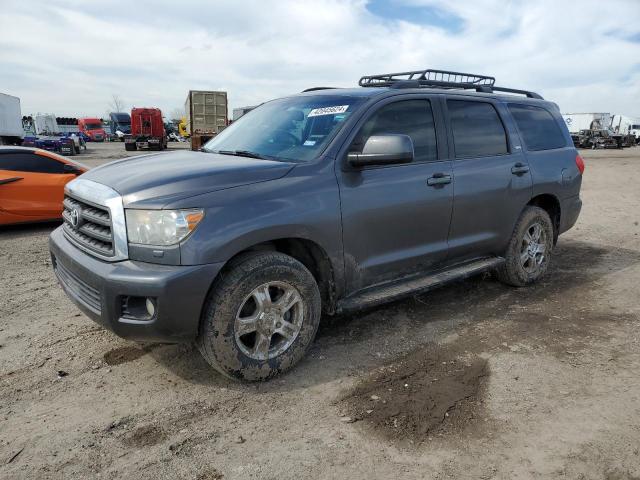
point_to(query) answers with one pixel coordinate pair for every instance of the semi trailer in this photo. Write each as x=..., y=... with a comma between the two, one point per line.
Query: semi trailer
x=11, y=132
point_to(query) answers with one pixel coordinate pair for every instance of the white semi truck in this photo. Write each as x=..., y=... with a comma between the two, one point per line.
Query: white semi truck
x=11, y=132
x=626, y=125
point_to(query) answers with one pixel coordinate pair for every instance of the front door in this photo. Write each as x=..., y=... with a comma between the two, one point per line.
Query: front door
x=396, y=218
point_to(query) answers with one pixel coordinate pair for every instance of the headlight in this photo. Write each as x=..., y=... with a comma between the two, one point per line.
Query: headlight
x=161, y=227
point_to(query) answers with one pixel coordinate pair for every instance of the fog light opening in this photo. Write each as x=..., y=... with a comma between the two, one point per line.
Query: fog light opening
x=138, y=308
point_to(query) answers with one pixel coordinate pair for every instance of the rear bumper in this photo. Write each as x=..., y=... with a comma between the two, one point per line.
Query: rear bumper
x=98, y=289
x=569, y=212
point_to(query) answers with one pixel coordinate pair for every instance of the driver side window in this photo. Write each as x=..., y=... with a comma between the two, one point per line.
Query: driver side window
x=407, y=117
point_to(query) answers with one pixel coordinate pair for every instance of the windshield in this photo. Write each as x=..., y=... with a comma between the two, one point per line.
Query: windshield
x=296, y=128
x=92, y=126
x=121, y=117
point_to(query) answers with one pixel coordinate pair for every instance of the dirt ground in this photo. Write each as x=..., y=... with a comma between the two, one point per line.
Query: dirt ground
x=475, y=380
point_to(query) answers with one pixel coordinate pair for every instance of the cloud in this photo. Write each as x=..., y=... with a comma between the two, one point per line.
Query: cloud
x=69, y=57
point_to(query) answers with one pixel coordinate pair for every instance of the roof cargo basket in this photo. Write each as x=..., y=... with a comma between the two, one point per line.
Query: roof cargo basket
x=439, y=79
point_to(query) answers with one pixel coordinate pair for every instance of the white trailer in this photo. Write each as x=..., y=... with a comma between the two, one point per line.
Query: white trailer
x=586, y=121
x=11, y=132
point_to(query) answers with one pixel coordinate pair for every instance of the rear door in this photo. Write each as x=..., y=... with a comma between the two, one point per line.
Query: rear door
x=31, y=185
x=492, y=177
x=550, y=152
x=395, y=219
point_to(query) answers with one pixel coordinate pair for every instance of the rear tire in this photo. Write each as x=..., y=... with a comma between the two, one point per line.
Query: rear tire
x=260, y=316
x=130, y=147
x=529, y=252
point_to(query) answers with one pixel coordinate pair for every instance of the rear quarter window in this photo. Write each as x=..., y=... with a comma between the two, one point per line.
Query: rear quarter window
x=538, y=128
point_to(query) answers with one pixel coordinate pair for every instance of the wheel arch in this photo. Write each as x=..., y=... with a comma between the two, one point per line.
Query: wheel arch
x=311, y=255
x=550, y=204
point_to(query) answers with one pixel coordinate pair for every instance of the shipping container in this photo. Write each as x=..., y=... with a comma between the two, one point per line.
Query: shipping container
x=11, y=131
x=206, y=112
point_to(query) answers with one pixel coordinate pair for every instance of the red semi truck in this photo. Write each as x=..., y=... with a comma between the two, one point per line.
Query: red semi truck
x=147, y=130
x=92, y=128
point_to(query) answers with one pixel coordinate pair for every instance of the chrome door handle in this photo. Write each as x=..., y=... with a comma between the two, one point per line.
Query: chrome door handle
x=519, y=169
x=438, y=179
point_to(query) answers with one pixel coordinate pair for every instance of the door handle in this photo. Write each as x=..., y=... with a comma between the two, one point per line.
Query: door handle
x=438, y=179
x=519, y=169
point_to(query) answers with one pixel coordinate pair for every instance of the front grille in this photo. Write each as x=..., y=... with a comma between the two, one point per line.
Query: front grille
x=88, y=225
x=80, y=290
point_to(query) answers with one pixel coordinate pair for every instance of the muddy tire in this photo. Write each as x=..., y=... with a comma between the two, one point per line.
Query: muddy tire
x=260, y=317
x=529, y=251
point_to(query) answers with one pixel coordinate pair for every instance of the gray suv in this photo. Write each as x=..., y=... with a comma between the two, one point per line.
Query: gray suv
x=327, y=201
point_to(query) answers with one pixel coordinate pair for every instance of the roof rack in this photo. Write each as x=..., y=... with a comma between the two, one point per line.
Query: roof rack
x=439, y=79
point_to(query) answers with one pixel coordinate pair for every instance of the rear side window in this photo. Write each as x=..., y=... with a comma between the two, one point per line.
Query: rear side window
x=538, y=128
x=30, y=162
x=477, y=129
x=408, y=117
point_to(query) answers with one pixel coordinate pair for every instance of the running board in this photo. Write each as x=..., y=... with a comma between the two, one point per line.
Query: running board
x=392, y=291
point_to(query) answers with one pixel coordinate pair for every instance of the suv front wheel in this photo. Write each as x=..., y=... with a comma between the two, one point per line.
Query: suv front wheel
x=529, y=252
x=260, y=317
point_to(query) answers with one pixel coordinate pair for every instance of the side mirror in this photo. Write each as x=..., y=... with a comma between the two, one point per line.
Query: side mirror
x=383, y=150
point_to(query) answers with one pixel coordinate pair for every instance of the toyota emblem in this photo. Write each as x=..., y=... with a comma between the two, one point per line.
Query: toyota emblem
x=75, y=218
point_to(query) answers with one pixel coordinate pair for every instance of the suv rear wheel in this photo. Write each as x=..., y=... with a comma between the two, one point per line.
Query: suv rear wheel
x=529, y=251
x=260, y=317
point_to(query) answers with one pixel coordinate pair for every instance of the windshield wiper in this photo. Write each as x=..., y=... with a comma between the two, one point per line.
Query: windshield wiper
x=241, y=153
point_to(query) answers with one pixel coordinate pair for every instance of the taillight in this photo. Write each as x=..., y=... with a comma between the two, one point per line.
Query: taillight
x=580, y=164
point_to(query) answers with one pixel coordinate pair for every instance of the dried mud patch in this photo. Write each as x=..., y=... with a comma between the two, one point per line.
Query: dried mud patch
x=431, y=391
x=145, y=436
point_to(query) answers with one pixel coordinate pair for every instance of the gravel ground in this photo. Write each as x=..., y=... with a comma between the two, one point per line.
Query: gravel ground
x=474, y=380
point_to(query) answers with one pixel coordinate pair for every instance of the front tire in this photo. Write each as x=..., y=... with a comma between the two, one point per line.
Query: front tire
x=260, y=317
x=529, y=252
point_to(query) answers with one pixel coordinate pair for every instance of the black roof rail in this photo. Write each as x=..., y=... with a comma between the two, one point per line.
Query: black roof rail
x=313, y=89
x=439, y=79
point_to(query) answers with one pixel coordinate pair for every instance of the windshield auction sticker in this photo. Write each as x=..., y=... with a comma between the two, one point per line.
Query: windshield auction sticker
x=316, y=112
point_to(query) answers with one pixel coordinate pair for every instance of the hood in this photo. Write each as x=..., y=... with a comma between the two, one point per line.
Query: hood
x=152, y=181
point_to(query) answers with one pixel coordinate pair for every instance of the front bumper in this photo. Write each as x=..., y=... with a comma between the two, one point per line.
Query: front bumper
x=98, y=289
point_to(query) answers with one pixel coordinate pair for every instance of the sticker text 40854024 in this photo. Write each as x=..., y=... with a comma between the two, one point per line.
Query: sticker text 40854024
x=316, y=112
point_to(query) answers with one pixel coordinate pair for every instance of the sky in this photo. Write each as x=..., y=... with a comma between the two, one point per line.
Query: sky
x=69, y=57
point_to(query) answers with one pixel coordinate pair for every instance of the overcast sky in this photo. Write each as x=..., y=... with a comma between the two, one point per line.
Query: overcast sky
x=70, y=57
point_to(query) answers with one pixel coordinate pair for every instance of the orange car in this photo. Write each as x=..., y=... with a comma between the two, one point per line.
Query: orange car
x=32, y=184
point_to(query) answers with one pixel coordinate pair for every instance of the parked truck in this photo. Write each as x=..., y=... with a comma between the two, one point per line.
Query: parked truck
x=629, y=127
x=92, y=128
x=120, y=124
x=11, y=132
x=206, y=115
x=44, y=131
x=147, y=130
